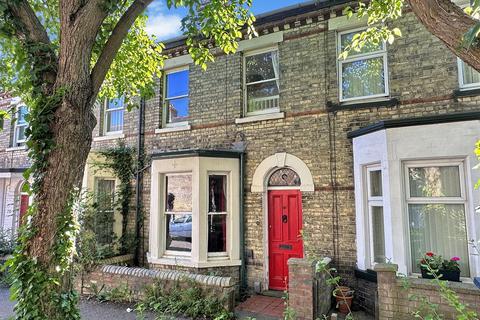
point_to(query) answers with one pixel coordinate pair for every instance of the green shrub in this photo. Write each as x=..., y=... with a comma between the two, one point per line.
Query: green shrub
x=7, y=243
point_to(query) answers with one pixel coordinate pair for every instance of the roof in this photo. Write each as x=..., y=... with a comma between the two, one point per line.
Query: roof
x=275, y=16
x=406, y=122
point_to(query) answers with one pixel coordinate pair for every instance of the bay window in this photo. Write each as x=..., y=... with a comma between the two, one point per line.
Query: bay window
x=178, y=212
x=261, y=82
x=375, y=214
x=217, y=214
x=176, y=97
x=436, y=212
x=363, y=74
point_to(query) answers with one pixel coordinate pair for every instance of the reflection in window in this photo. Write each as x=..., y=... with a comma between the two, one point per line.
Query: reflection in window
x=176, y=96
x=114, y=112
x=262, y=78
x=469, y=77
x=437, y=222
x=217, y=215
x=362, y=74
x=375, y=212
x=178, y=212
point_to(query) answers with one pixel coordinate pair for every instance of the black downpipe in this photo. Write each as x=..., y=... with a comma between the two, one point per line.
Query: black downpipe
x=139, y=247
x=243, y=267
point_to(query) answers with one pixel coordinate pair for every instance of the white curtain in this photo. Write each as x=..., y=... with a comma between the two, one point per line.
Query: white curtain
x=276, y=69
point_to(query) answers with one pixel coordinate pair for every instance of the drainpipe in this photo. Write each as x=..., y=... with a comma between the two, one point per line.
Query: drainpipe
x=243, y=267
x=139, y=186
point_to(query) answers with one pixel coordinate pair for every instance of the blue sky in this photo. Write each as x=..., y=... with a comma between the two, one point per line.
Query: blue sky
x=165, y=23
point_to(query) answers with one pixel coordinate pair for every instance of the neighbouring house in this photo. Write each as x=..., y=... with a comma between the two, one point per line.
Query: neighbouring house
x=370, y=157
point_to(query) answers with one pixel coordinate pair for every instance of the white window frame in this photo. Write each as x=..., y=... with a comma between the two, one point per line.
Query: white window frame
x=105, y=117
x=462, y=85
x=165, y=122
x=165, y=213
x=18, y=125
x=463, y=199
x=245, y=98
x=370, y=202
x=381, y=53
x=227, y=198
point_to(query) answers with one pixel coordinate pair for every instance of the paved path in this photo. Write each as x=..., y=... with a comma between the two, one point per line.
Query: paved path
x=90, y=310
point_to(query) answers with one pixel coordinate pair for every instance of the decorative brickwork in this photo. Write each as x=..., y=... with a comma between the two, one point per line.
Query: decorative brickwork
x=137, y=279
x=395, y=301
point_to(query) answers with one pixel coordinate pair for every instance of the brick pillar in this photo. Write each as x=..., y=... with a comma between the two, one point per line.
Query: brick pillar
x=301, y=277
x=387, y=289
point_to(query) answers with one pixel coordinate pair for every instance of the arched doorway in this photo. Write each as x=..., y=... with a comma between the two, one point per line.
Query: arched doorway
x=282, y=179
x=284, y=225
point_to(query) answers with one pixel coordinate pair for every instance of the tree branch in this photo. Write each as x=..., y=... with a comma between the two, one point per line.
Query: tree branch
x=28, y=25
x=115, y=41
x=449, y=23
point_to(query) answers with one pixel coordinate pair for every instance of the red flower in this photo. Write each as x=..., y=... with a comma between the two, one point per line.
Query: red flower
x=455, y=259
x=430, y=254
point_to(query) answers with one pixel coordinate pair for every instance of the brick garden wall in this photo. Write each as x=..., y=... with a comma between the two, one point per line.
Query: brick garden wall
x=397, y=302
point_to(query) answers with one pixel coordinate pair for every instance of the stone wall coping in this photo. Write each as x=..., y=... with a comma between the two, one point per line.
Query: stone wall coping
x=306, y=262
x=214, y=281
x=386, y=267
x=118, y=259
x=420, y=283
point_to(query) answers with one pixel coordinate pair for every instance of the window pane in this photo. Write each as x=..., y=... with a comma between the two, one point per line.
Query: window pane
x=217, y=233
x=378, y=235
x=376, y=183
x=177, y=84
x=115, y=120
x=262, y=96
x=434, y=181
x=21, y=113
x=179, y=232
x=346, y=39
x=116, y=103
x=177, y=110
x=20, y=134
x=363, y=78
x=217, y=201
x=178, y=193
x=263, y=66
x=439, y=228
x=105, y=217
x=470, y=75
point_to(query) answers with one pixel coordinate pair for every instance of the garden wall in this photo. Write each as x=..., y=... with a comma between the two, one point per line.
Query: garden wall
x=137, y=279
x=398, y=301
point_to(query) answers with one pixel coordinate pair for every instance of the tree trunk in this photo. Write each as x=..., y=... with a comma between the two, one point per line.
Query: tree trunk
x=447, y=21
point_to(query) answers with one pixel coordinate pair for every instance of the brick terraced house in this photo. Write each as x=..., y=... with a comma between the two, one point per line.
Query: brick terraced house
x=370, y=157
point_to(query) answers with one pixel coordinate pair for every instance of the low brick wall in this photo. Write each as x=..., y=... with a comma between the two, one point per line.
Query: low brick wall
x=308, y=292
x=395, y=301
x=137, y=279
x=126, y=259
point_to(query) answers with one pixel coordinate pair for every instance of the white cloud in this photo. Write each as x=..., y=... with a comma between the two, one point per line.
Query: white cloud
x=162, y=24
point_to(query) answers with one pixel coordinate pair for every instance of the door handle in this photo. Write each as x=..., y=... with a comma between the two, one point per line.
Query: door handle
x=284, y=218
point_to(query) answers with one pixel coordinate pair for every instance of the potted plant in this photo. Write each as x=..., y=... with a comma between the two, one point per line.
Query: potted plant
x=445, y=269
x=344, y=297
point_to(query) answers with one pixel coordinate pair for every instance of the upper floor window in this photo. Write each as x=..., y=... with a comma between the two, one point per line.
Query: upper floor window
x=114, y=111
x=468, y=77
x=21, y=125
x=176, y=101
x=262, y=82
x=364, y=73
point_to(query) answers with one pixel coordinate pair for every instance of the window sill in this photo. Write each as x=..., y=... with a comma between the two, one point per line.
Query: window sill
x=187, y=262
x=109, y=137
x=19, y=148
x=173, y=129
x=261, y=117
x=362, y=104
x=466, y=92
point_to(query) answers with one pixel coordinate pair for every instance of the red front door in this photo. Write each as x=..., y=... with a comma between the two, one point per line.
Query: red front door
x=284, y=239
x=24, y=199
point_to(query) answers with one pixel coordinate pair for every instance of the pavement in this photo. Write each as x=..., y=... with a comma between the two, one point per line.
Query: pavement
x=89, y=309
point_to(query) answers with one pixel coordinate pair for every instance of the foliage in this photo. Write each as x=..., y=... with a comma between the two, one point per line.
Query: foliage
x=435, y=261
x=288, y=313
x=121, y=161
x=428, y=310
x=7, y=242
x=189, y=301
x=119, y=294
